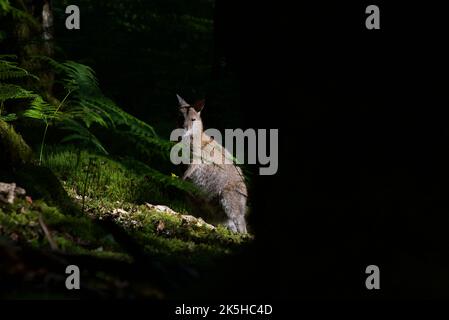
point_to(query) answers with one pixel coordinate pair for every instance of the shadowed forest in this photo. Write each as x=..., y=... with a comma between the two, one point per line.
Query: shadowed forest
x=86, y=178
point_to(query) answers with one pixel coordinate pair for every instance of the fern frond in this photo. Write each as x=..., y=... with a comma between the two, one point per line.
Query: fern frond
x=11, y=70
x=91, y=111
x=89, y=106
x=81, y=79
x=4, y=5
x=11, y=91
x=81, y=134
x=41, y=110
x=8, y=117
x=17, y=14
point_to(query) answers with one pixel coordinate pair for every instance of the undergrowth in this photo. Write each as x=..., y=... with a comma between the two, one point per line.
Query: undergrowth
x=117, y=190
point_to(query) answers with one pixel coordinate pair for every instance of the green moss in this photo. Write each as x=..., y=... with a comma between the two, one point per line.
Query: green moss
x=13, y=149
x=40, y=183
x=100, y=177
x=72, y=234
x=116, y=189
x=170, y=236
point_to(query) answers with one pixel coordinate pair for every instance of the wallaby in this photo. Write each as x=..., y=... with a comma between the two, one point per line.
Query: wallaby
x=221, y=182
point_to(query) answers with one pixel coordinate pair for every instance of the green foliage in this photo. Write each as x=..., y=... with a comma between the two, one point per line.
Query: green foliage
x=95, y=131
x=87, y=99
x=12, y=92
x=38, y=107
x=76, y=119
x=115, y=189
x=10, y=69
x=72, y=234
x=41, y=110
x=8, y=117
x=13, y=149
x=81, y=134
x=123, y=179
x=145, y=52
x=4, y=5
x=169, y=236
x=166, y=237
x=6, y=9
x=86, y=105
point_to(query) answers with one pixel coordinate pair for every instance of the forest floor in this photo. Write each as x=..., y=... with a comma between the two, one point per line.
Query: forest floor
x=108, y=217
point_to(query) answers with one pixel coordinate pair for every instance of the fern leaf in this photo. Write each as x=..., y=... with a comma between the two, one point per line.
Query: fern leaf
x=10, y=92
x=81, y=134
x=11, y=70
x=41, y=110
x=8, y=117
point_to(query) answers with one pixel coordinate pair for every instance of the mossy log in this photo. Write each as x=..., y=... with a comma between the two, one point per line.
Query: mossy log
x=14, y=151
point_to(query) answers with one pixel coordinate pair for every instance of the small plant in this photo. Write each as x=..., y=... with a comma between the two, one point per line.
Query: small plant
x=88, y=170
x=41, y=110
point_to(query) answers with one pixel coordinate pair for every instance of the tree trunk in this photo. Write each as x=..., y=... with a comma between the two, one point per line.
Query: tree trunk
x=47, y=28
x=37, y=40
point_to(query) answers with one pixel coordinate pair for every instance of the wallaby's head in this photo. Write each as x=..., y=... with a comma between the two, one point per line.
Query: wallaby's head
x=191, y=115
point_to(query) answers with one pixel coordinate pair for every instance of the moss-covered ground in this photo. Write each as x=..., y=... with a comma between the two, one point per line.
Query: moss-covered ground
x=95, y=210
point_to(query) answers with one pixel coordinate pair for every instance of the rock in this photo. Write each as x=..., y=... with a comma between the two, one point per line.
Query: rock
x=188, y=219
x=196, y=221
x=161, y=208
x=9, y=191
x=119, y=211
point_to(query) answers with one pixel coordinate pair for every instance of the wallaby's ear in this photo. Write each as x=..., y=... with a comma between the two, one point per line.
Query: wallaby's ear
x=182, y=102
x=199, y=105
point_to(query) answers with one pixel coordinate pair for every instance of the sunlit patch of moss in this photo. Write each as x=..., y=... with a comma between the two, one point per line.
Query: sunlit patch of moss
x=100, y=177
x=170, y=236
x=113, y=190
x=165, y=235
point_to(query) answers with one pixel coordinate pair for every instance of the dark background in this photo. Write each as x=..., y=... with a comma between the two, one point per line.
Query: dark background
x=363, y=130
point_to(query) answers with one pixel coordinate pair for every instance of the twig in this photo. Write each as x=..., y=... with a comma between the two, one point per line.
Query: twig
x=53, y=244
x=85, y=183
x=47, y=123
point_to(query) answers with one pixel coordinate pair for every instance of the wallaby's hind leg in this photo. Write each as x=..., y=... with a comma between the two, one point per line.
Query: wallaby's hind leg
x=231, y=225
x=241, y=220
x=234, y=205
x=239, y=224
